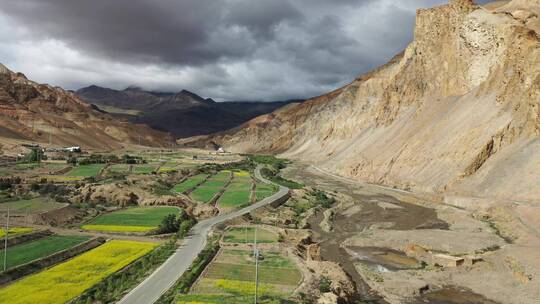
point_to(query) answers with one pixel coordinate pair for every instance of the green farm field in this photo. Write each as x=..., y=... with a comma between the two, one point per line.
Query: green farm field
x=86, y=170
x=34, y=250
x=205, y=192
x=137, y=219
x=264, y=190
x=247, y=235
x=143, y=169
x=34, y=205
x=229, y=279
x=189, y=183
x=238, y=193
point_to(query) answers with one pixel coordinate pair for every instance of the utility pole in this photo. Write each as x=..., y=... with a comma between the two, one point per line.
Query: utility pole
x=256, y=254
x=6, y=240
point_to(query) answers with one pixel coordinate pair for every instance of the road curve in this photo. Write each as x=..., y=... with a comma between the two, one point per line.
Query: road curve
x=163, y=278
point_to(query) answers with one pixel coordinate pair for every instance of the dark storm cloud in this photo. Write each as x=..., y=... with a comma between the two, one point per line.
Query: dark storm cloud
x=226, y=49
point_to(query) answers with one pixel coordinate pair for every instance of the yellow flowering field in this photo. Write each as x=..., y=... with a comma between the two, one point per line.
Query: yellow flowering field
x=241, y=173
x=117, y=228
x=66, y=281
x=15, y=230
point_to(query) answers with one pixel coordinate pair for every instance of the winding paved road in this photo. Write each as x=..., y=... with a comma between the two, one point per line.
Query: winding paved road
x=151, y=289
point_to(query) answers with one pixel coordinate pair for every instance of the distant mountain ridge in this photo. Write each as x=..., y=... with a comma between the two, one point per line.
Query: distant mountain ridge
x=30, y=111
x=183, y=114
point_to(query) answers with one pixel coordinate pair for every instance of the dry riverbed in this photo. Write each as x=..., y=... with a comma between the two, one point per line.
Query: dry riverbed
x=392, y=244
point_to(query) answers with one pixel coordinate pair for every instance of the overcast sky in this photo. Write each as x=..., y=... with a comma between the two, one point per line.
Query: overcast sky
x=224, y=49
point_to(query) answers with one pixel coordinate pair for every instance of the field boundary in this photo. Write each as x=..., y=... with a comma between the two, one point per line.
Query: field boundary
x=55, y=258
x=26, y=237
x=217, y=196
x=63, y=171
x=205, y=270
x=188, y=192
x=253, y=193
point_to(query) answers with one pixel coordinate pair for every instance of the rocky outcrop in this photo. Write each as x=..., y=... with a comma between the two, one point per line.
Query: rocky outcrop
x=42, y=113
x=457, y=112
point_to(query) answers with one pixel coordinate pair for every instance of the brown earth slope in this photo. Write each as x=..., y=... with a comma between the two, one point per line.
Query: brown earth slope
x=38, y=112
x=458, y=111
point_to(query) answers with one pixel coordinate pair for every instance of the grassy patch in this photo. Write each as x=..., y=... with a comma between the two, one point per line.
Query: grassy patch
x=34, y=205
x=15, y=231
x=66, y=281
x=34, y=250
x=27, y=166
x=136, y=219
x=189, y=183
x=247, y=235
x=86, y=170
x=276, y=163
x=276, y=178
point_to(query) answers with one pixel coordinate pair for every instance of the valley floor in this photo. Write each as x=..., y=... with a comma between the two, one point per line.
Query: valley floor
x=374, y=231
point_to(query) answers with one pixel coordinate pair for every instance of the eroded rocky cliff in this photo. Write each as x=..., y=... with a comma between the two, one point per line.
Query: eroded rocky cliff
x=38, y=112
x=457, y=112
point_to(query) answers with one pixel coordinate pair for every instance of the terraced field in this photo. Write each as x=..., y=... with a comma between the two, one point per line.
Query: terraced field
x=38, y=249
x=168, y=167
x=238, y=194
x=119, y=168
x=138, y=219
x=189, y=183
x=86, y=170
x=66, y=281
x=247, y=235
x=264, y=190
x=213, y=185
x=230, y=279
x=34, y=205
x=143, y=169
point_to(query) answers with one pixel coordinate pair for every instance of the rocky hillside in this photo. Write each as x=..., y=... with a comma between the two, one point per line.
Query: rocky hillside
x=458, y=111
x=183, y=114
x=38, y=112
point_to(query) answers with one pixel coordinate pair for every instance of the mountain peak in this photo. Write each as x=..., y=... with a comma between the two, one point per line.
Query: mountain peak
x=195, y=96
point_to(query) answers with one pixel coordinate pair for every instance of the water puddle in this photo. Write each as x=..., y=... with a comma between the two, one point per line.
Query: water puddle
x=383, y=259
x=452, y=295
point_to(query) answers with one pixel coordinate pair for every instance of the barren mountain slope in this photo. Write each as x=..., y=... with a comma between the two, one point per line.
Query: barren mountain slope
x=37, y=112
x=457, y=111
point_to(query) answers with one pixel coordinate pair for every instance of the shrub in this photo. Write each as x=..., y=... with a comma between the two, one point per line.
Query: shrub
x=72, y=160
x=325, y=285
